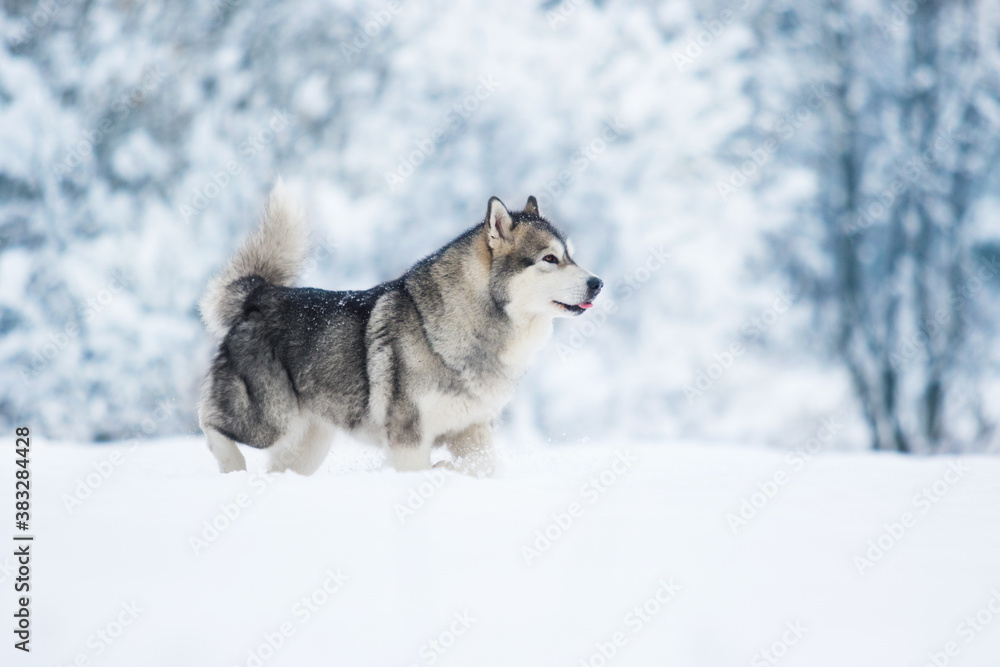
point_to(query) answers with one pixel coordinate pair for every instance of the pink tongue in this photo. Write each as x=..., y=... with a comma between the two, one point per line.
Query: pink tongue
x=585, y=305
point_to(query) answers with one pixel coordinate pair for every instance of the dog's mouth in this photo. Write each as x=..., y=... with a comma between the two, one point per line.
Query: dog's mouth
x=577, y=309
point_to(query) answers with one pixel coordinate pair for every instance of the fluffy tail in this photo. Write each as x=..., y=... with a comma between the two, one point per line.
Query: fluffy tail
x=274, y=252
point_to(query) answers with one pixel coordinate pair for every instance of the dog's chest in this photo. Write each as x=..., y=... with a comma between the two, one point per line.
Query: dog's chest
x=484, y=392
x=527, y=339
x=442, y=413
x=485, y=395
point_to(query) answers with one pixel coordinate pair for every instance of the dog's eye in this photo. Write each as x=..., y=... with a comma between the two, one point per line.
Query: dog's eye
x=551, y=259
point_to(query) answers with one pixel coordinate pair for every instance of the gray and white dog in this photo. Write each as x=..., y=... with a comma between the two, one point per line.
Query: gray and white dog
x=430, y=358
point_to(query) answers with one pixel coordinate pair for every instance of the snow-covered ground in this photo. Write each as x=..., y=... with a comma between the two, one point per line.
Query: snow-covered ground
x=146, y=556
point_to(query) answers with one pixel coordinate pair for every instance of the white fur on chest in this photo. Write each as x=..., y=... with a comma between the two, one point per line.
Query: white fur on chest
x=530, y=334
x=444, y=413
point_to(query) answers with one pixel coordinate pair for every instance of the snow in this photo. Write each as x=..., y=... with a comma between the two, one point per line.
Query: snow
x=659, y=523
x=137, y=142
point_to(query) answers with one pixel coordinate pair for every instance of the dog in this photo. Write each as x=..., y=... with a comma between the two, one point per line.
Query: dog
x=427, y=359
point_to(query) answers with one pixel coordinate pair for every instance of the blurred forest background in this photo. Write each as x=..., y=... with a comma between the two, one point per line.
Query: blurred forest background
x=795, y=205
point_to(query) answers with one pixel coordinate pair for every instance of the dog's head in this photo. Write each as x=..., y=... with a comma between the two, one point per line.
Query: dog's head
x=532, y=270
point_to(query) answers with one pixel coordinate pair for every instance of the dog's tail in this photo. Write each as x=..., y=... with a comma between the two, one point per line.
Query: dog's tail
x=274, y=252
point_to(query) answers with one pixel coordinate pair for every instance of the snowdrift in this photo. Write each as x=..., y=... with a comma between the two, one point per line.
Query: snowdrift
x=613, y=553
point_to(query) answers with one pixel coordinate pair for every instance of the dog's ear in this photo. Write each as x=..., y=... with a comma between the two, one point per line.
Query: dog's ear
x=531, y=208
x=499, y=224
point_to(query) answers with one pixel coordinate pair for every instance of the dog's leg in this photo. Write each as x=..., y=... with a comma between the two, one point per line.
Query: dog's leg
x=228, y=455
x=410, y=457
x=315, y=447
x=472, y=449
x=286, y=452
x=305, y=456
x=408, y=448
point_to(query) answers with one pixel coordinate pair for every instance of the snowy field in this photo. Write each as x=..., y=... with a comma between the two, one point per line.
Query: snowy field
x=794, y=208
x=605, y=553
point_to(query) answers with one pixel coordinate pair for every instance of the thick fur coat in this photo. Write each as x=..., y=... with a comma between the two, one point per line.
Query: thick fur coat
x=430, y=358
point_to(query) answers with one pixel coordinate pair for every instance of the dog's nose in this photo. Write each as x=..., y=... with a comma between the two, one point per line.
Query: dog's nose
x=595, y=284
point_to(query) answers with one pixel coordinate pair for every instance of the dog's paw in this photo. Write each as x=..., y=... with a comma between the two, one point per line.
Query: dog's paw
x=478, y=466
x=232, y=467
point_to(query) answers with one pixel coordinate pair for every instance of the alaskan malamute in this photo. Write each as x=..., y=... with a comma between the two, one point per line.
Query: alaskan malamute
x=430, y=358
